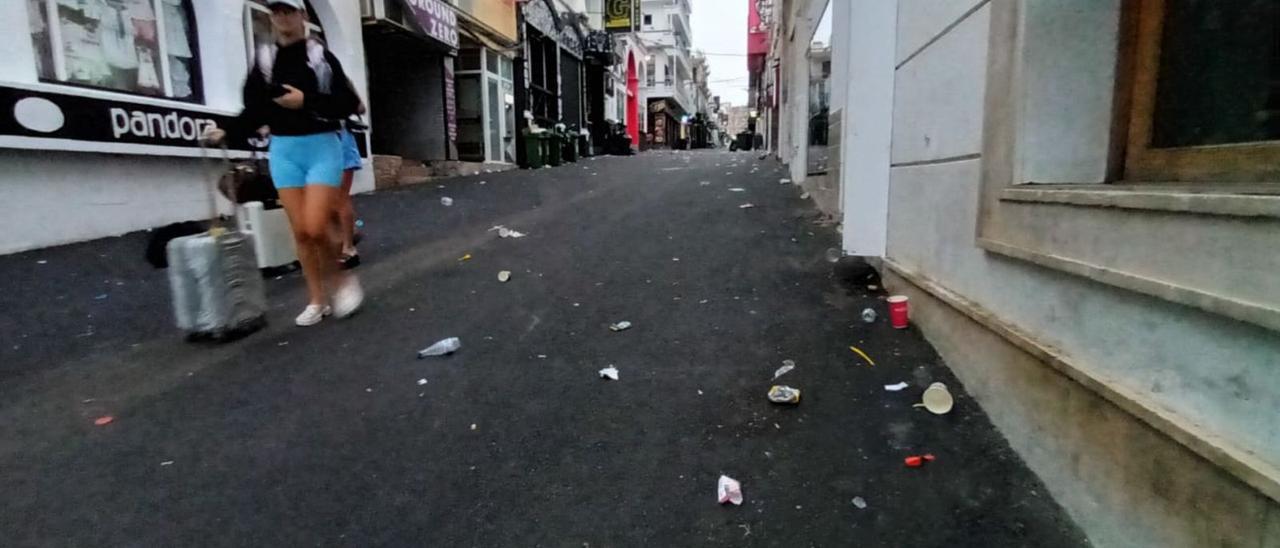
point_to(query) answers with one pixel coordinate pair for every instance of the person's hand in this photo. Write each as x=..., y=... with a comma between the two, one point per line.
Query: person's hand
x=292, y=99
x=214, y=135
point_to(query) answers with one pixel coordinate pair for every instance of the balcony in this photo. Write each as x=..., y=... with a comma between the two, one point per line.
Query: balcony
x=678, y=94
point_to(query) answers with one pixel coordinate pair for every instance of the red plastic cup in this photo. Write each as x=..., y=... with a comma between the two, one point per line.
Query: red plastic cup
x=899, y=312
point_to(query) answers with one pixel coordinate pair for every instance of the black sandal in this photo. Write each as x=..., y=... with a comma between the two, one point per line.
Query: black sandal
x=349, y=262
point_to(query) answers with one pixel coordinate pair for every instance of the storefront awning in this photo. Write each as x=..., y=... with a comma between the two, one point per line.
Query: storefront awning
x=483, y=39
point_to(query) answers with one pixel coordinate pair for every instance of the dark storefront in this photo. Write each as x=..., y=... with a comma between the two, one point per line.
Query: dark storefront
x=549, y=77
x=409, y=48
x=598, y=57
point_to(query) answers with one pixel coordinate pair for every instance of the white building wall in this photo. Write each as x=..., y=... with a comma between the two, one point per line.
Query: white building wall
x=1218, y=375
x=58, y=197
x=863, y=88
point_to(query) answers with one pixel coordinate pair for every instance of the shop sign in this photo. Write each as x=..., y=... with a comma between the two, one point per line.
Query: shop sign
x=450, y=103
x=54, y=118
x=617, y=15
x=539, y=15
x=437, y=19
x=599, y=46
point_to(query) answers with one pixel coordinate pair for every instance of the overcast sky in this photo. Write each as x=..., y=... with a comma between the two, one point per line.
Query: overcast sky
x=719, y=27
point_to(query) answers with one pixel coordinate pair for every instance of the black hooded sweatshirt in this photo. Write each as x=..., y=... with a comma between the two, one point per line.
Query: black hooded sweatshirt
x=321, y=112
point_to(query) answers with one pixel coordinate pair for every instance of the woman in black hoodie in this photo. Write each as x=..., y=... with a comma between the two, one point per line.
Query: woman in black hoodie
x=298, y=89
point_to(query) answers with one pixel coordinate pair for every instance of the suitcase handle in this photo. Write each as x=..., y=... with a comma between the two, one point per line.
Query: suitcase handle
x=215, y=222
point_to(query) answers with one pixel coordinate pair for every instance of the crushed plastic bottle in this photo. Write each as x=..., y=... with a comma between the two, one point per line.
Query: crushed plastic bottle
x=620, y=326
x=869, y=315
x=446, y=201
x=784, y=394
x=442, y=348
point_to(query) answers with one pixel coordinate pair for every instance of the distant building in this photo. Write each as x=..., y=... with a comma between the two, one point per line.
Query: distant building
x=738, y=117
x=667, y=91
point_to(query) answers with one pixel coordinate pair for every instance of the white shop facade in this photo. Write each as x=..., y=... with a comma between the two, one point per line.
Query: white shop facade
x=102, y=103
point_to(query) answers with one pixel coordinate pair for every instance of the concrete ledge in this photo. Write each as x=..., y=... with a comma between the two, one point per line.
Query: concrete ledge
x=1244, y=311
x=1244, y=465
x=1238, y=200
x=1129, y=474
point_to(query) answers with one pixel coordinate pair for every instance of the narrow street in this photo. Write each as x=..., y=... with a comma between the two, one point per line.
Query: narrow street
x=325, y=436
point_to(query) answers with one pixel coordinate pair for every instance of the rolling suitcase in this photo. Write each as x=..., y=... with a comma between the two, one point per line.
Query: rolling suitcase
x=217, y=290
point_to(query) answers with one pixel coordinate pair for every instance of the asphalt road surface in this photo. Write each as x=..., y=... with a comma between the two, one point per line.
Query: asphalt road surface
x=325, y=436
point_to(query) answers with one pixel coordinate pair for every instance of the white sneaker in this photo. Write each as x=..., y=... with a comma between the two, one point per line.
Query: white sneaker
x=348, y=298
x=312, y=315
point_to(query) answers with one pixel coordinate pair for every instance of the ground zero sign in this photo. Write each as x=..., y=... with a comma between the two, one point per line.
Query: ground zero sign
x=437, y=19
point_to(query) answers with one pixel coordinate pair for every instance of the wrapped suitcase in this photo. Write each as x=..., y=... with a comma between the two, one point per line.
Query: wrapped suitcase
x=217, y=290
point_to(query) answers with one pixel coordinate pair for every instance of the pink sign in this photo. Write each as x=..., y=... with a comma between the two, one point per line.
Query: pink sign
x=450, y=104
x=757, y=31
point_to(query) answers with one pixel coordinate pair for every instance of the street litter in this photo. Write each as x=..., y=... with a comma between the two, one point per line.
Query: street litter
x=446, y=201
x=473, y=426
x=166, y=463
x=620, y=326
x=899, y=313
x=787, y=366
x=804, y=195
x=422, y=382
x=42, y=261
x=784, y=181
x=610, y=373
x=859, y=503
x=737, y=189
x=504, y=232
x=466, y=257
x=103, y=421
x=863, y=354
x=729, y=490
x=937, y=399
x=441, y=348
x=504, y=275
x=101, y=297
x=484, y=182
x=784, y=394
x=868, y=315
x=704, y=183
x=916, y=461
x=896, y=387
x=746, y=206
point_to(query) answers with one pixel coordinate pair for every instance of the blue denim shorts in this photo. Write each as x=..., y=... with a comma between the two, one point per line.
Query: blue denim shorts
x=350, y=152
x=301, y=160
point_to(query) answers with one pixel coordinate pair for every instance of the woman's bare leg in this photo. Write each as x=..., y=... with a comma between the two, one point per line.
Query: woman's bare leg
x=347, y=214
x=320, y=200
x=294, y=201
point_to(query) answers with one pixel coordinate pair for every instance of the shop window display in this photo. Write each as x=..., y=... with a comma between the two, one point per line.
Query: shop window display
x=146, y=47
